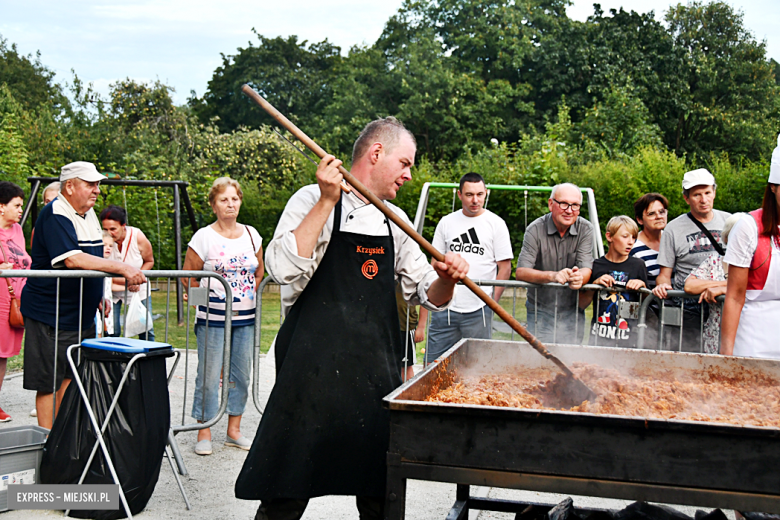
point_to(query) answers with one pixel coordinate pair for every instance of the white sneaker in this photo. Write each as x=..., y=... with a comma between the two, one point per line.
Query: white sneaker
x=34, y=413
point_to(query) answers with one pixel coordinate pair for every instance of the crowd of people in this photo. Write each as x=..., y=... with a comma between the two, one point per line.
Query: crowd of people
x=348, y=277
x=647, y=252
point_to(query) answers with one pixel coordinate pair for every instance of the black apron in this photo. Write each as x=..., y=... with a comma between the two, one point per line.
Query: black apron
x=338, y=353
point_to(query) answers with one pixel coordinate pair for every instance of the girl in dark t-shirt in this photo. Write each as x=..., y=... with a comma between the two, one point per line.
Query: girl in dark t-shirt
x=619, y=270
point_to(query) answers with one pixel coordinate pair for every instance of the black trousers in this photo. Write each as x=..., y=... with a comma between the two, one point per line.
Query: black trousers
x=370, y=508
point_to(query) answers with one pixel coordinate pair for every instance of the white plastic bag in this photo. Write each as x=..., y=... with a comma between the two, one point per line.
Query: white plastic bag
x=138, y=318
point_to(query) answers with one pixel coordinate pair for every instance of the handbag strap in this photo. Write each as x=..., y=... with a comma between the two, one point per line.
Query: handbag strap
x=7, y=280
x=254, y=249
x=127, y=244
x=706, y=231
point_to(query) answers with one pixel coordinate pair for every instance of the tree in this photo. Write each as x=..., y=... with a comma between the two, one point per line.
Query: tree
x=14, y=159
x=28, y=80
x=620, y=124
x=294, y=76
x=731, y=94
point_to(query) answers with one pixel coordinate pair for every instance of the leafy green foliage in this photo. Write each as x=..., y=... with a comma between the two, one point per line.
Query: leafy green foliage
x=28, y=80
x=511, y=89
x=14, y=159
x=731, y=96
x=292, y=75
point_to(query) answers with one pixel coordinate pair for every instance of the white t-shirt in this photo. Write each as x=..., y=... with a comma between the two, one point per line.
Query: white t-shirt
x=482, y=241
x=235, y=259
x=743, y=241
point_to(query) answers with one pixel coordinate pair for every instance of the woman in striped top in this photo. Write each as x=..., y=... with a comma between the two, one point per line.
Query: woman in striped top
x=235, y=252
x=650, y=211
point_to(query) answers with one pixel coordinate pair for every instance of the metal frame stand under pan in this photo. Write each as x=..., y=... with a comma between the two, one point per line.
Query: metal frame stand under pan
x=669, y=461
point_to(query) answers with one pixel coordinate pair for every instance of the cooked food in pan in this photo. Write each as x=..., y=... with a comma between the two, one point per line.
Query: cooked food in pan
x=745, y=397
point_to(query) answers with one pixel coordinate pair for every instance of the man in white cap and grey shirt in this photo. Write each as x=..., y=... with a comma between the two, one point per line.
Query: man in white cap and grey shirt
x=685, y=243
x=68, y=235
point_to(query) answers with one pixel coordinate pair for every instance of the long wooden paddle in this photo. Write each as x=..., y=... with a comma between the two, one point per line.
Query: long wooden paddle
x=576, y=391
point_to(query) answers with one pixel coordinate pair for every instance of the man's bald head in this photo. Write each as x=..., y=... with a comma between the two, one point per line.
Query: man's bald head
x=387, y=131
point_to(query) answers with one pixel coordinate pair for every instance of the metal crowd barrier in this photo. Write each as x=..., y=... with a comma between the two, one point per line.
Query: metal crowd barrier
x=258, y=334
x=197, y=296
x=670, y=315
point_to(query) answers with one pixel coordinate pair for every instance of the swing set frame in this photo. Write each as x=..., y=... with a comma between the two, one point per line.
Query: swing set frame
x=179, y=195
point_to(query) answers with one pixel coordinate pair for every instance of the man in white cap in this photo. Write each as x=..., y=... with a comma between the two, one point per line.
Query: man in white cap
x=687, y=241
x=68, y=235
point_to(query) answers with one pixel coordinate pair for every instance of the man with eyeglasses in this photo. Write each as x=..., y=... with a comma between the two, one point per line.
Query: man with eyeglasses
x=557, y=248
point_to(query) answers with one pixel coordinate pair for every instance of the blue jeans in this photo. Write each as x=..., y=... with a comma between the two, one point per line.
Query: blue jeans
x=207, y=392
x=449, y=327
x=118, y=319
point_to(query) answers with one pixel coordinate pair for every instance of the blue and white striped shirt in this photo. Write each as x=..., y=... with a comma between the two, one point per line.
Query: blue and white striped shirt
x=650, y=258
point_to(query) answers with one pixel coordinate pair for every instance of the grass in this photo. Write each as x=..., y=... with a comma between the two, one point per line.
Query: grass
x=177, y=334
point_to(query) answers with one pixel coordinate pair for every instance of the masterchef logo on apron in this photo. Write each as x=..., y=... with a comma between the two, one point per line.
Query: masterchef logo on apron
x=370, y=269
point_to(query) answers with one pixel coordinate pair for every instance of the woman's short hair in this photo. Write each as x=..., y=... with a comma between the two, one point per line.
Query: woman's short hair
x=729, y=225
x=221, y=184
x=9, y=191
x=615, y=223
x=114, y=212
x=644, y=202
x=54, y=186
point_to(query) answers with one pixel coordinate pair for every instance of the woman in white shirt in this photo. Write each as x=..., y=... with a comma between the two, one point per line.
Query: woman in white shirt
x=753, y=291
x=132, y=248
x=235, y=252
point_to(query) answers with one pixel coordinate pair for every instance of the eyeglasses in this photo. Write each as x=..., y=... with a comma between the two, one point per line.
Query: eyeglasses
x=659, y=213
x=566, y=205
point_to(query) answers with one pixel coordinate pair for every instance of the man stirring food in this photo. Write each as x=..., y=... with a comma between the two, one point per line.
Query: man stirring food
x=339, y=351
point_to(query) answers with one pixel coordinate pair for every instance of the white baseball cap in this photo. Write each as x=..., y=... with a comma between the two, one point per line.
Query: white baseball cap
x=700, y=177
x=774, y=168
x=83, y=170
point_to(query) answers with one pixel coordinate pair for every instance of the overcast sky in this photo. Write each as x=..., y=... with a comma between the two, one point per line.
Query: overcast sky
x=179, y=42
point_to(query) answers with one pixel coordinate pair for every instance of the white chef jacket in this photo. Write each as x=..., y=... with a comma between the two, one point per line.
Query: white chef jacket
x=293, y=272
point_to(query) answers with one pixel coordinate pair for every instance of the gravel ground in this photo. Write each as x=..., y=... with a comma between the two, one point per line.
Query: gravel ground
x=209, y=485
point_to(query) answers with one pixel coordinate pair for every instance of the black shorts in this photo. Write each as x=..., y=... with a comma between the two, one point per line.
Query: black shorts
x=39, y=355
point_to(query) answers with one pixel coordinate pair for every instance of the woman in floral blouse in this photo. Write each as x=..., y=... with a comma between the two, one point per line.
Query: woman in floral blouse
x=709, y=280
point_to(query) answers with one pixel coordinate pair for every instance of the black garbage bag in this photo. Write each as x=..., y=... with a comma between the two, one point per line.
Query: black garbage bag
x=563, y=511
x=715, y=514
x=566, y=511
x=759, y=516
x=636, y=511
x=645, y=511
x=136, y=434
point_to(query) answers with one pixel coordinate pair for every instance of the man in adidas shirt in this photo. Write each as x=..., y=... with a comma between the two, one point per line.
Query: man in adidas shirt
x=482, y=238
